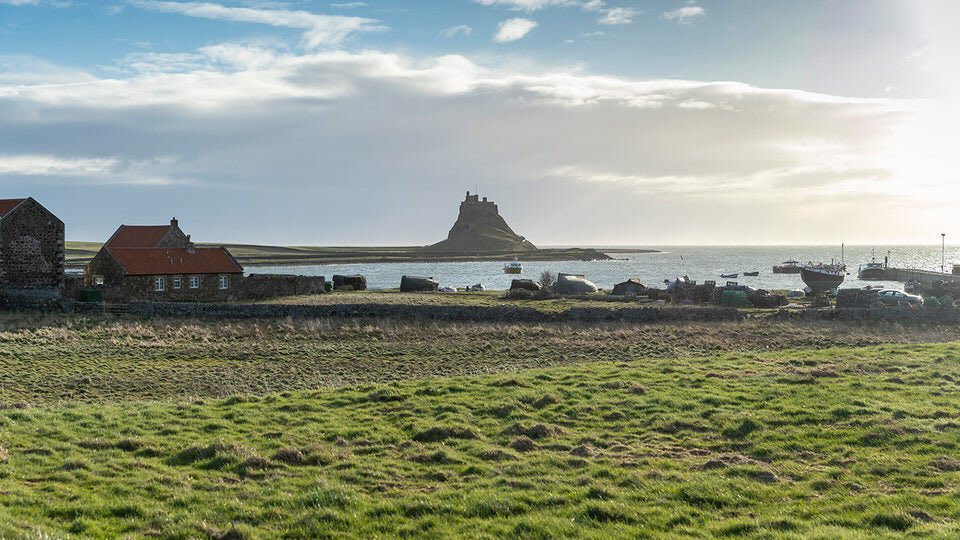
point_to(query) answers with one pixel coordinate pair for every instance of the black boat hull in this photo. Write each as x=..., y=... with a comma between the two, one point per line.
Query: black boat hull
x=821, y=280
x=873, y=274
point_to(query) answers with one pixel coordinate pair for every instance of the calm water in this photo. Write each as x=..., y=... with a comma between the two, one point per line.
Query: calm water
x=698, y=262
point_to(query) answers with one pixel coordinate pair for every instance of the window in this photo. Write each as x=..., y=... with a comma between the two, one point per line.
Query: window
x=98, y=281
x=159, y=284
x=194, y=282
x=224, y=282
x=177, y=283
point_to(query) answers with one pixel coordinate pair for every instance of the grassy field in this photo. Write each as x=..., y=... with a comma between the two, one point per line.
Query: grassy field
x=312, y=429
x=488, y=299
x=53, y=358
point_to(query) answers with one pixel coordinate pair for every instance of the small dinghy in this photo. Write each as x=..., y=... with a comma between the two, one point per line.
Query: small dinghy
x=729, y=276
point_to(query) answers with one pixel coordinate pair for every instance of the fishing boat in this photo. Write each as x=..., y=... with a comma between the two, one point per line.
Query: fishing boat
x=513, y=267
x=751, y=274
x=823, y=277
x=788, y=267
x=873, y=270
x=729, y=276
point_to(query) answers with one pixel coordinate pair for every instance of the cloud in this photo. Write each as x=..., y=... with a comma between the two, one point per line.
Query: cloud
x=618, y=15
x=80, y=170
x=233, y=130
x=526, y=5
x=685, y=14
x=460, y=29
x=349, y=5
x=319, y=30
x=50, y=3
x=513, y=30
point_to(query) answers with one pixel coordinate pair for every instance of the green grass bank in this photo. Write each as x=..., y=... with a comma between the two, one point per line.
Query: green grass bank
x=118, y=427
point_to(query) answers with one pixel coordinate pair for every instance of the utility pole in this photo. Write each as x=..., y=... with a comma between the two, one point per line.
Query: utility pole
x=943, y=245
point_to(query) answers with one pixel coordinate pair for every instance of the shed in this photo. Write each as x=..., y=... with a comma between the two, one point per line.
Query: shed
x=630, y=287
x=573, y=284
x=525, y=285
x=418, y=284
x=355, y=282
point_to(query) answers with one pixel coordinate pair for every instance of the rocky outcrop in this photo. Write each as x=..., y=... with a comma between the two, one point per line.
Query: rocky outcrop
x=480, y=228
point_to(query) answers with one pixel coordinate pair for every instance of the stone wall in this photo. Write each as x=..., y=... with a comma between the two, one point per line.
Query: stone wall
x=20, y=299
x=261, y=286
x=31, y=248
x=142, y=289
x=898, y=314
x=444, y=313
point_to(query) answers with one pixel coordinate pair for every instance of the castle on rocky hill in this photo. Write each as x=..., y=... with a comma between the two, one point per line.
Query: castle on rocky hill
x=480, y=228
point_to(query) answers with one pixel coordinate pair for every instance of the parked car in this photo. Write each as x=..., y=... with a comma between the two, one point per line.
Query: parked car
x=893, y=297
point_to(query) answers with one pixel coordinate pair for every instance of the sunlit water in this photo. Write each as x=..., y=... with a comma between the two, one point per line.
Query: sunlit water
x=698, y=262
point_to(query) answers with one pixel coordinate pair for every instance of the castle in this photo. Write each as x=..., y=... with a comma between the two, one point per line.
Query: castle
x=480, y=228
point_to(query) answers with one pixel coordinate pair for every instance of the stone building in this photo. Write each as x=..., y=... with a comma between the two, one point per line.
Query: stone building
x=31, y=247
x=160, y=263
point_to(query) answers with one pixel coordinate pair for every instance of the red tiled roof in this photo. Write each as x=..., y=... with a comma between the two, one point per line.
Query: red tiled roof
x=138, y=236
x=174, y=261
x=7, y=205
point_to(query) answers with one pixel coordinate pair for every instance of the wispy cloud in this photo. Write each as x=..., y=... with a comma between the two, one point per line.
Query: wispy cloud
x=685, y=14
x=319, y=30
x=86, y=170
x=526, y=5
x=513, y=30
x=460, y=29
x=50, y=3
x=618, y=15
x=348, y=5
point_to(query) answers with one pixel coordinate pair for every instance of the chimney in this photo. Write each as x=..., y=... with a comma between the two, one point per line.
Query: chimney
x=174, y=222
x=189, y=246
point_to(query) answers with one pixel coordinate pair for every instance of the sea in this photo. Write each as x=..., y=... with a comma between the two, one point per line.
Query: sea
x=698, y=263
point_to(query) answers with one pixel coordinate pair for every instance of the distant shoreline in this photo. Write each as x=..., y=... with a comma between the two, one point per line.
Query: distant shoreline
x=79, y=253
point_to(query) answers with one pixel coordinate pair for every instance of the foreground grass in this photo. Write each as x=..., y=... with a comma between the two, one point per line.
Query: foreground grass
x=858, y=443
x=471, y=299
x=74, y=358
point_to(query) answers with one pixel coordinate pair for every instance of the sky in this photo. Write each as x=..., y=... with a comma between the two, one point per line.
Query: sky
x=589, y=122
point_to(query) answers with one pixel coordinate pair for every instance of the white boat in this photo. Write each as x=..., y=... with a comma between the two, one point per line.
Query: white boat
x=513, y=267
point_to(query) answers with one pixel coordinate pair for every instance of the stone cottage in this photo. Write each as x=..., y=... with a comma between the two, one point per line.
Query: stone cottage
x=160, y=263
x=31, y=247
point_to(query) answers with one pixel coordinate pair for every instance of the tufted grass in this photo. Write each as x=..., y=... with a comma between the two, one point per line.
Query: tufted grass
x=832, y=443
x=380, y=429
x=50, y=358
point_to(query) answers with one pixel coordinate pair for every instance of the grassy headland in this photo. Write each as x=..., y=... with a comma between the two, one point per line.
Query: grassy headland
x=114, y=427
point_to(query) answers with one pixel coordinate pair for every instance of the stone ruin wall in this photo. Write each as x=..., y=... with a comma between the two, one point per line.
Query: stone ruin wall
x=31, y=249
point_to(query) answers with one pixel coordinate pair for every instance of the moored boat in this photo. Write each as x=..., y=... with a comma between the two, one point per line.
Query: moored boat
x=729, y=276
x=823, y=277
x=873, y=270
x=751, y=274
x=513, y=267
x=788, y=267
